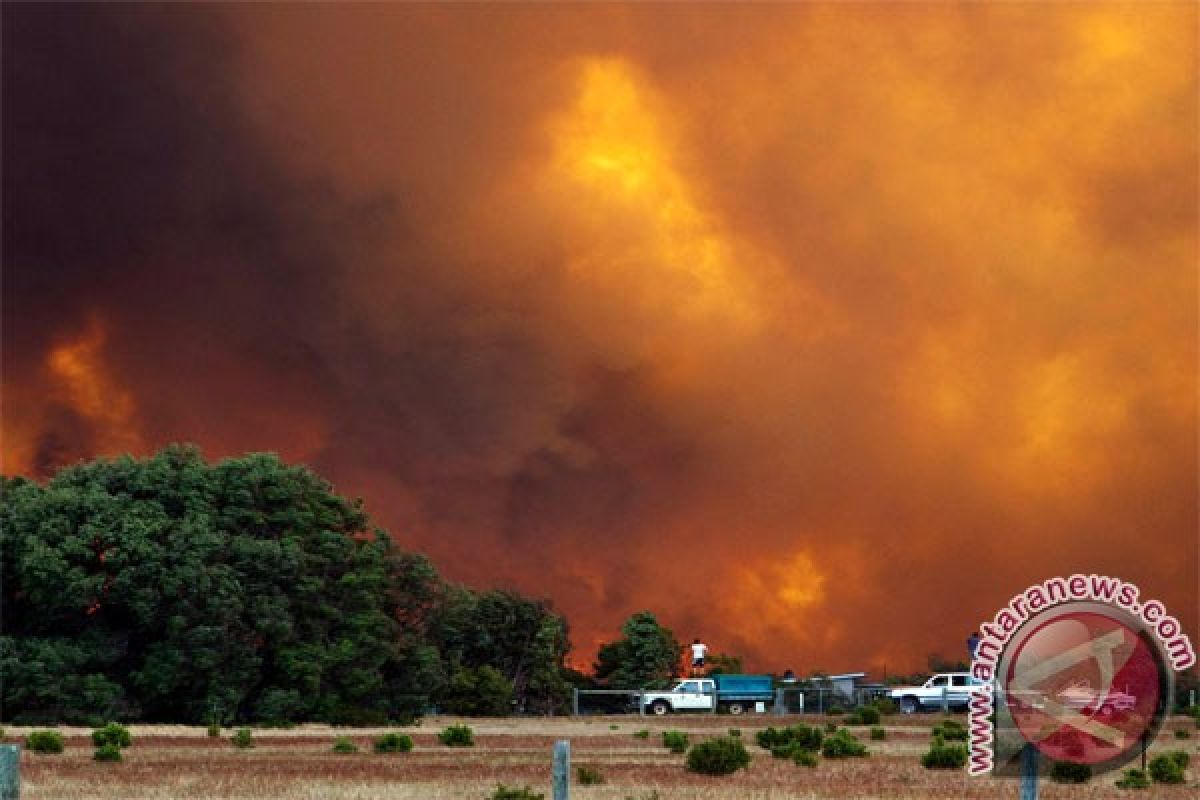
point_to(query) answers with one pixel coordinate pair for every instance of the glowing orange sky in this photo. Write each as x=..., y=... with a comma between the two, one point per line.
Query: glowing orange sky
x=819, y=330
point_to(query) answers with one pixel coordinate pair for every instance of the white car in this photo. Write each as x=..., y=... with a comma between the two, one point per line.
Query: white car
x=1081, y=696
x=952, y=689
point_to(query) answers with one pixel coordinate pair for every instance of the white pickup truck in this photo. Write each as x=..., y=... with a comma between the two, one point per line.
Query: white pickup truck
x=734, y=693
x=952, y=689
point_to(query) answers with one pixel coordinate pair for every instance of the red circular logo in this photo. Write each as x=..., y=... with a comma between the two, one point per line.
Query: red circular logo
x=1083, y=687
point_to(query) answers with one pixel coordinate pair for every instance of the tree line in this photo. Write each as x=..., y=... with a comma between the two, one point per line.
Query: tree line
x=169, y=589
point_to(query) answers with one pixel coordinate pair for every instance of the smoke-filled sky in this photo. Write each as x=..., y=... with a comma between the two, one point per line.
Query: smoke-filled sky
x=820, y=330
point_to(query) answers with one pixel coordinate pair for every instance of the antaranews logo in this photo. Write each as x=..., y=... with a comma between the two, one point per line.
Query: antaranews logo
x=1079, y=668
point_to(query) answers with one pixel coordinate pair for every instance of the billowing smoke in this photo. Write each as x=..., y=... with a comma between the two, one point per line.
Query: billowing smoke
x=820, y=330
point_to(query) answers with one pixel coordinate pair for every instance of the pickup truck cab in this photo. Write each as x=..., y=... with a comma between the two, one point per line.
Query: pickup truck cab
x=954, y=686
x=735, y=693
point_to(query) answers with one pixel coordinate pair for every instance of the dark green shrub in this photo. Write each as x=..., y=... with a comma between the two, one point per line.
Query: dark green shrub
x=108, y=752
x=1182, y=733
x=112, y=733
x=588, y=776
x=1070, y=772
x=869, y=715
x=1134, y=779
x=675, y=741
x=457, y=736
x=831, y=727
x=514, y=793
x=771, y=737
x=842, y=745
x=214, y=731
x=344, y=744
x=44, y=742
x=721, y=756
x=945, y=756
x=804, y=758
x=854, y=718
x=614, y=727
x=1169, y=767
x=804, y=737
x=836, y=711
x=878, y=734
x=885, y=705
x=481, y=692
x=393, y=743
x=642, y=734
x=243, y=739
x=785, y=750
x=951, y=730
x=735, y=732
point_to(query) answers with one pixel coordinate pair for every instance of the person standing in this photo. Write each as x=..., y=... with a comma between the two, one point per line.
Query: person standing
x=699, y=651
x=973, y=644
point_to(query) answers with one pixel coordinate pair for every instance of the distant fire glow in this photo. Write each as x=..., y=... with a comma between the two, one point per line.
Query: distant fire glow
x=812, y=328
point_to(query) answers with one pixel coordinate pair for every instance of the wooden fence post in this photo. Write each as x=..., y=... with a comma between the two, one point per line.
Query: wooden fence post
x=10, y=771
x=562, y=770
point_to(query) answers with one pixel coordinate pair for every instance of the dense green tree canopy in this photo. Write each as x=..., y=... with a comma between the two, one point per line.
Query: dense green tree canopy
x=646, y=656
x=176, y=590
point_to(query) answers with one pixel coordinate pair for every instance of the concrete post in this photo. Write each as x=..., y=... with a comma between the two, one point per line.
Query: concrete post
x=562, y=770
x=1029, y=772
x=10, y=771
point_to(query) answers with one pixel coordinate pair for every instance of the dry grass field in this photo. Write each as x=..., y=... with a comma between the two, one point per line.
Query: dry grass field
x=170, y=763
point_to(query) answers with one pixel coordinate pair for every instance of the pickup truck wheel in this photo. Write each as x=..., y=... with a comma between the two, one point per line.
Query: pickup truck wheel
x=660, y=707
x=736, y=708
x=910, y=705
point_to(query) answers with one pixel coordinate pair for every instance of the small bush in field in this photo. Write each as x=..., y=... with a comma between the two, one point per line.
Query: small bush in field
x=951, y=730
x=1169, y=767
x=588, y=776
x=112, y=733
x=721, y=756
x=214, y=731
x=735, y=732
x=804, y=758
x=831, y=727
x=854, y=718
x=44, y=742
x=393, y=743
x=108, y=752
x=457, y=736
x=1182, y=733
x=945, y=756
x=675, y=741
x=869, y=715
x=842, y=745
x=514, y=793
x=885, y=705
x=878, y=734
x=1134, y=779
x=243, y=739
x=1069, y=772
x=344, y=744
x=642, y=734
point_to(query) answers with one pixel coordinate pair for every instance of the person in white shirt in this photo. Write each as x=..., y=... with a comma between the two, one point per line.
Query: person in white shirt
x=699, y=649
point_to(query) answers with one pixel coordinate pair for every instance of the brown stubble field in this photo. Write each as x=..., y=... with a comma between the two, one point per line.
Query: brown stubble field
x=169, y=762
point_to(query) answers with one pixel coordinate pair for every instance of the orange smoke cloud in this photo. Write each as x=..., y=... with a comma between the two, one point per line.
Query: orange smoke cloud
x=817, y=329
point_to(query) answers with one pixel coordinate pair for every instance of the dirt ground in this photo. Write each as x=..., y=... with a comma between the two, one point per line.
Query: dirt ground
x=173, y=763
